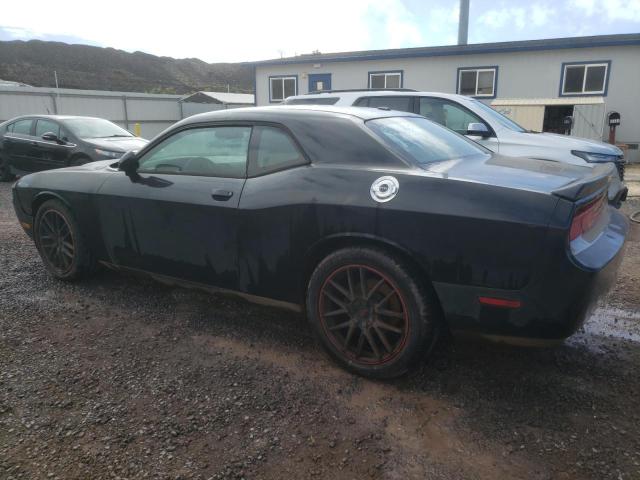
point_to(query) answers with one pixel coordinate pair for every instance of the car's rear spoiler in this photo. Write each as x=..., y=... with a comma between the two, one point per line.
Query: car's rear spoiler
x=598, y=179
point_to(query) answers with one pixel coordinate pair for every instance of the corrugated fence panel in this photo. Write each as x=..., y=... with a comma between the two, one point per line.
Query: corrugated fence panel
x=109, y=108
x=588, y=121
x=143, y=109
x=13, y=105
x=192, y=108
x=151, y=129
x=155, y=113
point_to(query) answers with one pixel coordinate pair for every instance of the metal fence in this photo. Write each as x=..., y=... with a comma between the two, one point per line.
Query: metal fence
x=153, y=112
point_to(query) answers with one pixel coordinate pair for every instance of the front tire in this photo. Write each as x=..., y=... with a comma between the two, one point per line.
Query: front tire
x=371, y=313
x=60, y=242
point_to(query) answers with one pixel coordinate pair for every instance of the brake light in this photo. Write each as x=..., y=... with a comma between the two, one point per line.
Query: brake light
x=586, y=217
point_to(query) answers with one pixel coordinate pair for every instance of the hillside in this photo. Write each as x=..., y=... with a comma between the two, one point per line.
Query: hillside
x=96, y=68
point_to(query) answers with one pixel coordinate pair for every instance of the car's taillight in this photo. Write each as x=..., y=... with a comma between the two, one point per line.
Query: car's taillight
x=586, y=216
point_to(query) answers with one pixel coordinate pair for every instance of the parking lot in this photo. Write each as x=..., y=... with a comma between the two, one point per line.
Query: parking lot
x=121, y=377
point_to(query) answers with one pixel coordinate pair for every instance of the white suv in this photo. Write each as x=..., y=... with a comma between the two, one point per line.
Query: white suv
x=481, y=123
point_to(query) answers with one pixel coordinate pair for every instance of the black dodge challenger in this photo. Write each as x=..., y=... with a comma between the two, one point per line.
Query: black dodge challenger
x=388, y=228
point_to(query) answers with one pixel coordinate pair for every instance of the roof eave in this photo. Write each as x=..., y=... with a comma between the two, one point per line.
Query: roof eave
x=472, y=49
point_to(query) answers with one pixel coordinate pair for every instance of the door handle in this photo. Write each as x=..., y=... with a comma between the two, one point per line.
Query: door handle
x=222, y=195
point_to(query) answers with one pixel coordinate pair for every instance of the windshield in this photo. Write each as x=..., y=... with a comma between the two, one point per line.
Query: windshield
x=422, y=141
x=498, y=117
x=95, y=128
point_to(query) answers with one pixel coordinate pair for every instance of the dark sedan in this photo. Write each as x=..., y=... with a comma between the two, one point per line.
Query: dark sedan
x=35, y=143
x=387, y=228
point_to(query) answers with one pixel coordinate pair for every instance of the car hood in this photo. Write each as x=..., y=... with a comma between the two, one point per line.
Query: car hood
x=566, y=142
x=517, y=172
x=117, y=144
x=88, y=167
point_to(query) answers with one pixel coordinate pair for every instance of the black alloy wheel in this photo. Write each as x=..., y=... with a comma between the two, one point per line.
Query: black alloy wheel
x=60, y=243
x=363, y=314
x=56, y=240
x=371, y=312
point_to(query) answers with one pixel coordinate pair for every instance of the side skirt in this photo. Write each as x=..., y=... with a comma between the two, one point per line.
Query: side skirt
x=172, y=281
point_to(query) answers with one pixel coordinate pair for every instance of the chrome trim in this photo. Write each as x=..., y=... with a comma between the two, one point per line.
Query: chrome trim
x=384, y=189
x=31, y=140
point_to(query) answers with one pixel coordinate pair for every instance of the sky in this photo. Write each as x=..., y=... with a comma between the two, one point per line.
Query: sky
x=235, y=31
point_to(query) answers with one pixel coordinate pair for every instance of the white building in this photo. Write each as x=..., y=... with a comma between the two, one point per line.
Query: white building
x=537, y=82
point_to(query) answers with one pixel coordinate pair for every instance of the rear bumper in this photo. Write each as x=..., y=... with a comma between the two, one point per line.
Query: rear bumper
x=553, y=305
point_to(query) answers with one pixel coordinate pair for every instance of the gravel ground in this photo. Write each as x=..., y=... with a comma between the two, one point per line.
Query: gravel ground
x=119, y=377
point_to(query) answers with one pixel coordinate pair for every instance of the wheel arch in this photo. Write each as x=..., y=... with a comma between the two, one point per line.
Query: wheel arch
x=322, y=248
x=42, y=197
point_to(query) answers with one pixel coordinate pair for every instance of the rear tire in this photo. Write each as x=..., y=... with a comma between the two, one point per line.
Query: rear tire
x=371, y=313
x=60, y=243
x=5, y=171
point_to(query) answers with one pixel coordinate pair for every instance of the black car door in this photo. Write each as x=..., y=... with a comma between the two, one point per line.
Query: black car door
x=179, y=218
x=274, y=196
x=18, y=145
x=51, y=153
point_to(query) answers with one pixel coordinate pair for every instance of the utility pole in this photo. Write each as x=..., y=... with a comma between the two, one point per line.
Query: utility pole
x=56, y=98
x=463, y=22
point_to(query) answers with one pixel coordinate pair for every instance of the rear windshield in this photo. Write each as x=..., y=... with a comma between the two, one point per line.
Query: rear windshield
x=422, y=141
x=312, y=101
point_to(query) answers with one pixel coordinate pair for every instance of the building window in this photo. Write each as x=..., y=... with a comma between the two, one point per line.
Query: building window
x=585, y=78
x=477, y=81
x=282, y=87
x=384, y=80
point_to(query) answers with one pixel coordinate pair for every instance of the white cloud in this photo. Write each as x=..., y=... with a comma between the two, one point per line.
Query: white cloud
x=587, y=6
x=393, y=24
x=21, y=33
x=541, y=14
x=609, y=10
x=498, y=18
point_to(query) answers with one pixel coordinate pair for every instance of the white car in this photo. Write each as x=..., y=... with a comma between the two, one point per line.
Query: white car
x=482, y=124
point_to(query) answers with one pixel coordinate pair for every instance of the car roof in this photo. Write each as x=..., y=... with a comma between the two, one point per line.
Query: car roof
x=49, y=117
x=380, y=93
x=290, y=112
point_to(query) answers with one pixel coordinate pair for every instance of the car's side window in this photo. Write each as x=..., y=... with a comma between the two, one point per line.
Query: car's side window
x=361, y=102
x=402, y=104
x=9, y=128
x=64, y=134
x=449, y=114
x=206, y=151
x=47, y=126
x=23, y=127
x=273, y=149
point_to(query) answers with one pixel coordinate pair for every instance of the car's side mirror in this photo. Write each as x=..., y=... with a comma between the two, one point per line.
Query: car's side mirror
x=51, y=137
x=477, y=129
x=128, y=163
